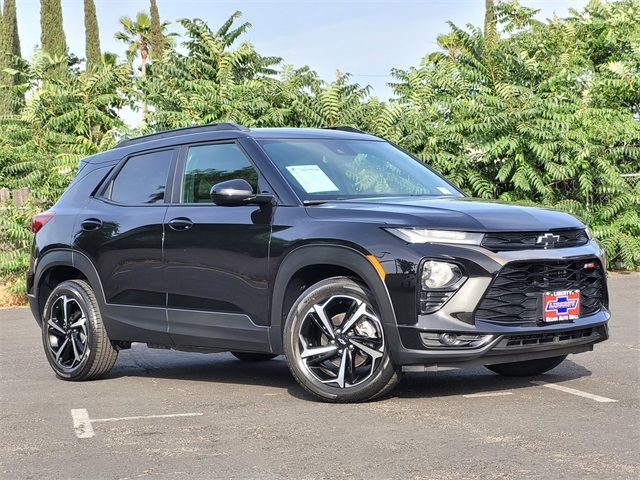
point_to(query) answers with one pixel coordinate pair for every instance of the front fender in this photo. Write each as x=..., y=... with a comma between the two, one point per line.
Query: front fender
x=340, y=256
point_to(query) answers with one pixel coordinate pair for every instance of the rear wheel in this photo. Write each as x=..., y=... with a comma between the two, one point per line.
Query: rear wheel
x=527, y=368
x=253, y=357
x=75, y=341
x=335, y=343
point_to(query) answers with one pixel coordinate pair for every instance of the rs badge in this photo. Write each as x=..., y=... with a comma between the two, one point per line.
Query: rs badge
x=562, y=305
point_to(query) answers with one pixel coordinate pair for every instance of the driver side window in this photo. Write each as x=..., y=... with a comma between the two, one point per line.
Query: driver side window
x=207, y=165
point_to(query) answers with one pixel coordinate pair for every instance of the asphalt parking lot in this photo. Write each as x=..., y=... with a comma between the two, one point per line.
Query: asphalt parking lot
x=164, y=414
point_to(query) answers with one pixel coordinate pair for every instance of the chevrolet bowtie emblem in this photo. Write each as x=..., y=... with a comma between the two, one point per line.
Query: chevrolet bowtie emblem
x=548, y=240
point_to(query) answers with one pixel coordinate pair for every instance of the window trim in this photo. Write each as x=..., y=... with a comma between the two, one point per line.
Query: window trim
x=105, y=190
x=181, y=163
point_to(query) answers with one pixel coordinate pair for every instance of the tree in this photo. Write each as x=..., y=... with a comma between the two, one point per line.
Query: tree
x=157, y=35
x=9, y=50
x=524, y=119
x=64, y=119
x=52, y=35
x=490, y=22
x=91, y=35
x=213, y=81
x=137, y=34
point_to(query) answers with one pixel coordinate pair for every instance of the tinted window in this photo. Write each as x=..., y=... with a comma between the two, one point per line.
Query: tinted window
x=210, y=164
x=142, y=179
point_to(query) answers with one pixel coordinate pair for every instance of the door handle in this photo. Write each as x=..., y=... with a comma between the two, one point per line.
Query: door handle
x=91, y=224
x=181, y=223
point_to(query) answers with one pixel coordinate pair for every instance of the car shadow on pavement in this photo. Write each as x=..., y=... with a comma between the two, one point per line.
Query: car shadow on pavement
x=226, y=369
x=479, y=381
x=216, y=368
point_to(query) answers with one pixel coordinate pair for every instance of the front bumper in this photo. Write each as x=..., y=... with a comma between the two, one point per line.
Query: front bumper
x=505, y=342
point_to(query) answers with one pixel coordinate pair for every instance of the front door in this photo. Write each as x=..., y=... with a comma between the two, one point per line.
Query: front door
x=216, y=257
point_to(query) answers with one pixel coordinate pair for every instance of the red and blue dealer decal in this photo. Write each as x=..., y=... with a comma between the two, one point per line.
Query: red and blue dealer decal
x=559, y=306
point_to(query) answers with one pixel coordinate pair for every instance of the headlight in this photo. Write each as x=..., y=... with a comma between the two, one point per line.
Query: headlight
x=440, y=274
x=425, y=235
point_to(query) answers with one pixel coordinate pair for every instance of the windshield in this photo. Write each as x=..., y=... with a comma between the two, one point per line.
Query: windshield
x=329, y=169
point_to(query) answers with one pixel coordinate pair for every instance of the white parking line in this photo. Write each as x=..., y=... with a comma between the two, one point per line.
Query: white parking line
x=82, y=424
x=488, y=394
x=141, y=417
x=574, y=391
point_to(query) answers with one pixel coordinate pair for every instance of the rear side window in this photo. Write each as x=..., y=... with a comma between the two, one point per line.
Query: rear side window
x=142, y=179
x=207, y=165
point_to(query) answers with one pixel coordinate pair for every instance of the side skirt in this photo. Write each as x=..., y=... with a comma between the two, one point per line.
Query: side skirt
x=217, y=330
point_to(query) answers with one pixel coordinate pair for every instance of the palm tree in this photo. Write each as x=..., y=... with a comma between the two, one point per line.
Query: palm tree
x=137, y=34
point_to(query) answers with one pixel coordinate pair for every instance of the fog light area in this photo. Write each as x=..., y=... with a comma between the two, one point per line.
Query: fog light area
x=453, y=340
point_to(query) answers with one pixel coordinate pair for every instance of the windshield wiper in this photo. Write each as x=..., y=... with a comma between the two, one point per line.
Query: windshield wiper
x=316, y=202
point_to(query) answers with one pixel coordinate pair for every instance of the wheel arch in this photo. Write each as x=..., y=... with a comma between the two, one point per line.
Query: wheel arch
x=340, y=259
x=58, y=265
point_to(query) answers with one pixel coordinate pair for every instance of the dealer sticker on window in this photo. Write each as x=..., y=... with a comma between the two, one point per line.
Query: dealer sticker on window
x=312, y=179
x=561, y=305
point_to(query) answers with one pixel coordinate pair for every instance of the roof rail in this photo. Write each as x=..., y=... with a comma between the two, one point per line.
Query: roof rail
x=211, y=127
x=346, y=128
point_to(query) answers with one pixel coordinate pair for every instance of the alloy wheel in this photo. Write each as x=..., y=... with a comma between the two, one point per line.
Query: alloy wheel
x=67, y=337
x=341, y=341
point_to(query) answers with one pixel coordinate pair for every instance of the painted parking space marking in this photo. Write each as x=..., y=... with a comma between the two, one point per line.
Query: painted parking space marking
x=574, y=391
x=83, y=424
x=487, y=394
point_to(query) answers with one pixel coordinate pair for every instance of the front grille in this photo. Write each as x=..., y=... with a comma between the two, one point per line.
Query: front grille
x=534, y=240
x=572, y=336
x=515, y=296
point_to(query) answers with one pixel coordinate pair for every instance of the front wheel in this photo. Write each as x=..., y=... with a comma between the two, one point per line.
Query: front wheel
x=528, y=368
x=335, y=343
x=75, y=340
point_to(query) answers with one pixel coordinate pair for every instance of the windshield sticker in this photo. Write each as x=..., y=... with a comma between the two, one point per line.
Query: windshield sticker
x=312, y=179
x=444, y=190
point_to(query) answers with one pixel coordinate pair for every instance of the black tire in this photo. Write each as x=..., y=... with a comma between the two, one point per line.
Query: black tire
x=379, y=375
x=98, y=355
x=527, y=368
x=253, y=357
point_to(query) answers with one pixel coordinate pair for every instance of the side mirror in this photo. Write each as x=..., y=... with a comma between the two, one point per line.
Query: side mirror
x=232, y=193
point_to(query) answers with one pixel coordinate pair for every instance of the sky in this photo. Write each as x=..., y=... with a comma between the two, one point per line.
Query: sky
x=363, y=38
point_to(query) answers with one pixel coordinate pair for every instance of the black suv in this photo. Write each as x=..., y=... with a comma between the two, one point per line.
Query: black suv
x=330, y=246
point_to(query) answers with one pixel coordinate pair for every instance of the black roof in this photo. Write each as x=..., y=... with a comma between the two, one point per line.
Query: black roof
x=221, y=131
x=328, y=132
x=212, y=127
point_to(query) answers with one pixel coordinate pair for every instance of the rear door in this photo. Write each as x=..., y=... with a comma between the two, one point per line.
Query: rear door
x=121, y=231
x=216, y=257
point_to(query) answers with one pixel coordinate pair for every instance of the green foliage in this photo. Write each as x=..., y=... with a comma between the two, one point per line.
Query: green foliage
x=10, y=100
x=64, y=119
x=137, y=35
x=15, y=231
x=91, y=35
x=539, y=112
x=157, y=35
x=52, y=35
x=10, y=40
x=539, y=116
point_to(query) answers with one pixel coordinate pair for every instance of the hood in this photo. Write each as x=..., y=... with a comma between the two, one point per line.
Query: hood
x=447, y=213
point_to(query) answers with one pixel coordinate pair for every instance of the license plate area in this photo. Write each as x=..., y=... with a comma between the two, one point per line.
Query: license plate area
x=561, y=305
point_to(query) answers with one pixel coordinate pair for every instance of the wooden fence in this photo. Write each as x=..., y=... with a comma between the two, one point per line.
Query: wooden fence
x=19, y=197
